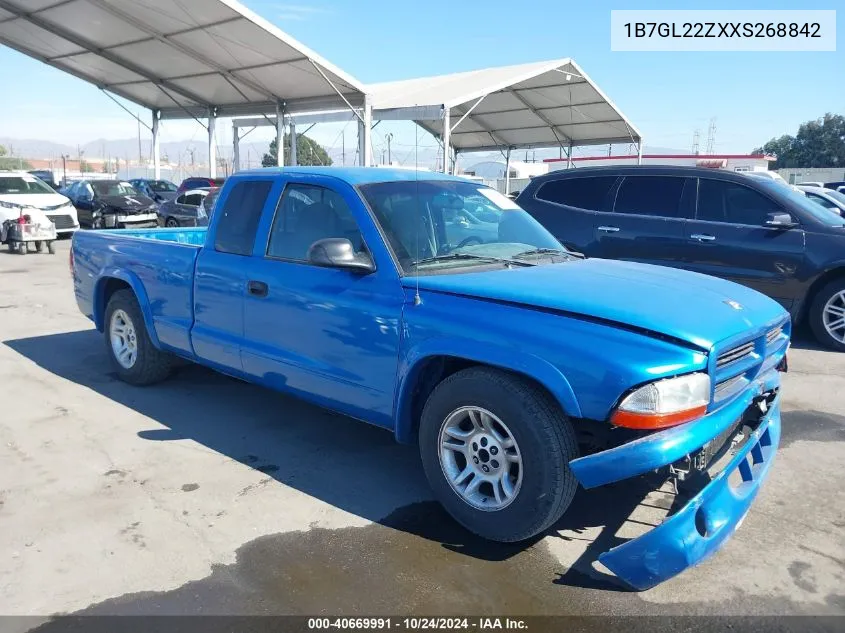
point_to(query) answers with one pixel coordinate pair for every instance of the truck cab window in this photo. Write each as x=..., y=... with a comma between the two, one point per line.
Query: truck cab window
x=307, y=213
x=239, y=217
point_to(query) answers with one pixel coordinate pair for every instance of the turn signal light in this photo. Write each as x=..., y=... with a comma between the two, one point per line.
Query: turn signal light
x=664, y=403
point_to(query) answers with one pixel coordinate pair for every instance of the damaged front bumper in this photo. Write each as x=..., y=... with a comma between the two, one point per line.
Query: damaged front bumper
x=710, y=517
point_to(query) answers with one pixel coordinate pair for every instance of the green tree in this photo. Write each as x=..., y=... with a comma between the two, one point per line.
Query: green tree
x=818, y=143
x=3, y=150
x=308, y=152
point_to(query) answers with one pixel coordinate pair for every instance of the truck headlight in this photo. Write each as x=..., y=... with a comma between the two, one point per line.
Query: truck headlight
x=664, y=403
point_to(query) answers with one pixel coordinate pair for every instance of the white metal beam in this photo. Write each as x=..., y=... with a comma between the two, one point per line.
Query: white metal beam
x=447, y=145
x=292, y=140
x=280, y=135
x=365, y=134
x=236, y=149
x=212, y=145
x=156, y=147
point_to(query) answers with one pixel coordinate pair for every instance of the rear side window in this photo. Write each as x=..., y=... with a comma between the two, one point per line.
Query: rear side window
x=239, y=217
x=722, y=201
x=650, y=195
x=584, y=193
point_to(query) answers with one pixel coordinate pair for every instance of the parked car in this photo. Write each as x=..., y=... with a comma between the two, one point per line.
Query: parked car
x=809, y=184
x=749, y=230
x=185, y=210
x=159, y=190
x=828, y=198
x=22, y=190
x=112, y=204
x=46, y=176
x=199, y=183
x=838, y=185
x=499, y=358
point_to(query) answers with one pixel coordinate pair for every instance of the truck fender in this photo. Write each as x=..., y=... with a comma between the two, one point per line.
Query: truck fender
x=508, y=358
x=140, y=294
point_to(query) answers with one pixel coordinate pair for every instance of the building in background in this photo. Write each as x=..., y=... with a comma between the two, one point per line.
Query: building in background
x=794, y=175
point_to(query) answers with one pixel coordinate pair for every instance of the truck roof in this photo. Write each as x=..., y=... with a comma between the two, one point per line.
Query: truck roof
x=358, y=175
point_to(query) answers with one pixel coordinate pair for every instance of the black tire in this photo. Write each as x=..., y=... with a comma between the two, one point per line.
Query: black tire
x=546, y=442
x=816, y=315
x=171, y=223
x=23, y=249
x=51, y=247
x=151, y=365
x=39, y=246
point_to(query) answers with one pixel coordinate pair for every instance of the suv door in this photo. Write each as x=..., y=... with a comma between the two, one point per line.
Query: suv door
x=729, y=238
x=567, y=206
x=646, y=223
x=327, y=332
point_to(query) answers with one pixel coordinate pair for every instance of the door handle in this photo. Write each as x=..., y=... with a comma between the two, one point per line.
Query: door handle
x=609, y=229
x=257, y=288
x=702, y=237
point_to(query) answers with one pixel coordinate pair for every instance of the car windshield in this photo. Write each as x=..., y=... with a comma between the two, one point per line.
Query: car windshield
x=114, y=188
x=437, y=225
x=816, y=210
x=16, y=185
x=162, y=186
x=836, y=195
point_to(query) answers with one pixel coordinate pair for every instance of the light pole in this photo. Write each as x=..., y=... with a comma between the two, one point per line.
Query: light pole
x=389, y=137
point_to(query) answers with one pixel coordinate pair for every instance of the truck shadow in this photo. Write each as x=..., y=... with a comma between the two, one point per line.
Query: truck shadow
x=352, y=466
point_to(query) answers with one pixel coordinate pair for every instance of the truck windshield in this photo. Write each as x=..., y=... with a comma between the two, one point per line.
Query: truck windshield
x=435, y=225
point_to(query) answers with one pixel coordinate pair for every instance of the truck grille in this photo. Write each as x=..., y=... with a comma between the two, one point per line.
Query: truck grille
x=773, y=334
x=735, y=354
x=62, y=221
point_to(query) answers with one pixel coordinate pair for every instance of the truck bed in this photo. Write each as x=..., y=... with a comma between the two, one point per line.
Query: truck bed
x=158, y=264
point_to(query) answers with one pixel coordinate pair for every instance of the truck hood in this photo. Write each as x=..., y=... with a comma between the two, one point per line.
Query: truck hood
x=697, y=309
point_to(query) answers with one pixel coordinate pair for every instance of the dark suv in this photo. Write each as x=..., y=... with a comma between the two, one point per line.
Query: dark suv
x=754, y=231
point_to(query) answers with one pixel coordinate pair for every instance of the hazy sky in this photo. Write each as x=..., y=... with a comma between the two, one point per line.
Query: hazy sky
x=753, y=96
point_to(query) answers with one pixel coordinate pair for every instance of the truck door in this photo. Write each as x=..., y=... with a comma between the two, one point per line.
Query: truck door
x=328, y=334
x=221, y=274
x=646, y=223
x=729, y=238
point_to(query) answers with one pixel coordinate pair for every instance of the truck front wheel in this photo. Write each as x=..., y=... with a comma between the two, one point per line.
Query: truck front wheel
x=133, y=355
x=496, y=451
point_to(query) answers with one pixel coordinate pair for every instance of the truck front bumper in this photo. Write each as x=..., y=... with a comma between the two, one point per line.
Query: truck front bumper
x=701, y=526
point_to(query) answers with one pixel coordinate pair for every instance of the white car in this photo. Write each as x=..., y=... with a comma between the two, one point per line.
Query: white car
x=828, y=198
x=773, y=175
x=20, y=191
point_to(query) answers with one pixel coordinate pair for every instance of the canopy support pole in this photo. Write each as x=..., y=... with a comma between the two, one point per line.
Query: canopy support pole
x=212, y=146
x=447, y=133
x=156, y=146
x=508, y=171
x=236, y=149
x=292, y=140
x=280, y=135
x=640, y=152
x=365, y=128
x=569, y=157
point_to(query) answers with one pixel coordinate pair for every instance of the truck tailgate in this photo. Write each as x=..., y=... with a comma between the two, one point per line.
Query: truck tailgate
x=158, y=264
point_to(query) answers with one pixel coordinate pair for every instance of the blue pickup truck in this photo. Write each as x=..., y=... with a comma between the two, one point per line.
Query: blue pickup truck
x=436, y=308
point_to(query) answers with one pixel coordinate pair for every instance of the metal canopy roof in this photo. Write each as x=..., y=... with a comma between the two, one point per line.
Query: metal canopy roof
x=542, y=104
x=181, y=57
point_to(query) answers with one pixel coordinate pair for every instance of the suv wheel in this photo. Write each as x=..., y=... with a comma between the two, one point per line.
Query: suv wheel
x=496, y=452
x=827, y=315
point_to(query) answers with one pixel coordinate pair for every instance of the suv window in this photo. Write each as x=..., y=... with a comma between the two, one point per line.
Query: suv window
x=306, y=214
x=241, y=213
x=722, y=201
x=585, y=193
x=650, y=195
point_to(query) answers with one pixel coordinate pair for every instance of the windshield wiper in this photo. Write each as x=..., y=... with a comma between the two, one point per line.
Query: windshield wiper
x=460, y=256
x=549, y=251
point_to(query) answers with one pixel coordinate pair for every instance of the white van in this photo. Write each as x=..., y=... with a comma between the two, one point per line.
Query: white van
x=20, y=190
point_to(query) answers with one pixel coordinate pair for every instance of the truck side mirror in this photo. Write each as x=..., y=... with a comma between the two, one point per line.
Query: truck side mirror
x=780, y=220
x=338, y=252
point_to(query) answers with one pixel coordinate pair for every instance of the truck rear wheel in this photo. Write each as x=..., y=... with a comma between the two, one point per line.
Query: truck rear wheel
x=827, y=315
x=133, y=355
x=496, y=452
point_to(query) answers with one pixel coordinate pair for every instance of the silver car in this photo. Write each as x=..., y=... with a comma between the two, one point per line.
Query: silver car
x=828, y=198
x=186, y=209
